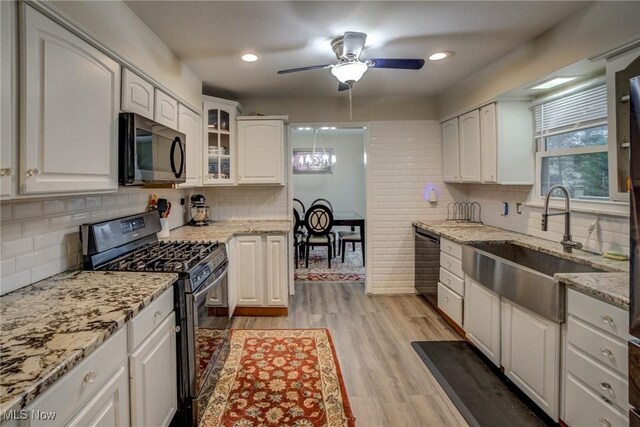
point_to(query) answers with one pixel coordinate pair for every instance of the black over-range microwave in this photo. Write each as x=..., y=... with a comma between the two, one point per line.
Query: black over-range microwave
x=149, y=152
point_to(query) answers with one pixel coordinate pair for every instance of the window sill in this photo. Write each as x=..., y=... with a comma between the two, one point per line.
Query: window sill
x=606, y=208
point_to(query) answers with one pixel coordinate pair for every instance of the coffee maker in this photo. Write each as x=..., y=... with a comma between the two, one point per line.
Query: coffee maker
x=200, y=212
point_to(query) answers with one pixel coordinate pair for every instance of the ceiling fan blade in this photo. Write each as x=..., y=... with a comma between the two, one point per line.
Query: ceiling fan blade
x=312, y=67
x=352, y=44
x=342, y=87
x=399, y=64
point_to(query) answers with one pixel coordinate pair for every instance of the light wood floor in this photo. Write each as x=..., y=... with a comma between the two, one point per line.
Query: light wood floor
x=387, y=383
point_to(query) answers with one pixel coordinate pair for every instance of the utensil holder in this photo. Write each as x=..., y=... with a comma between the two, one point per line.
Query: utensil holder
x=164, y=232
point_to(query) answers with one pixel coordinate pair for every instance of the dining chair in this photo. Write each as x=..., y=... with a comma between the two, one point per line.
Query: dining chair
x=349, y=236
x=324, y=202
x=299, y=206
x=318, y=222
x=299, y=236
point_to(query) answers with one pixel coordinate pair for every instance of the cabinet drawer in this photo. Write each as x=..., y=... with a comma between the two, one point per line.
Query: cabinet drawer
x=609, y=350
x=451, y=248
x=599, y=313
x=148, y=319
x=452, y=281
x=71, y=391
x=450, y=303
x=603, y=381
x=451, y=264
x=584, y=408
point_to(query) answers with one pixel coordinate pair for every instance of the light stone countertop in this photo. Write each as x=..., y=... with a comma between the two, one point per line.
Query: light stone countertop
x=611, y=286
x=608, y=287
x=223, y=231
x=48, y=327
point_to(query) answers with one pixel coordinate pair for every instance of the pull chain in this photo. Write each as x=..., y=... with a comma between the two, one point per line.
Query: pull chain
x=350, y=103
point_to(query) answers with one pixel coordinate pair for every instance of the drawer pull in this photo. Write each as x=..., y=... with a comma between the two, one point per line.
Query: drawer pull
x=449, y=264
x=607, y=352
x=607, y=319
x=446, y=299
x=6, y=172
x=605, y=385
x=448, y=281
x=89, y=377
x=157, y=314
x=604, y=422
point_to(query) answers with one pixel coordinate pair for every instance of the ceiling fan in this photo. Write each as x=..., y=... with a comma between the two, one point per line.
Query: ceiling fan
x=350, y=68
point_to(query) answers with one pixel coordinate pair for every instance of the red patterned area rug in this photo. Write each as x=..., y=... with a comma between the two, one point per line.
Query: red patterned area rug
x=351, y=271
x=280, y=377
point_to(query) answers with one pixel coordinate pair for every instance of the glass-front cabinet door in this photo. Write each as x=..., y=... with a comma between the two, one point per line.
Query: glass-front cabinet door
x=219, y=150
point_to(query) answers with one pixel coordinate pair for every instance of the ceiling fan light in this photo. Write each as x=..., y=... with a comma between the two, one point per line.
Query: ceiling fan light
x=349, y=71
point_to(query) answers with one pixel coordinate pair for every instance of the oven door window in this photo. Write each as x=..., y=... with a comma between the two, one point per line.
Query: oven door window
x=158, y=157
x=211, y=326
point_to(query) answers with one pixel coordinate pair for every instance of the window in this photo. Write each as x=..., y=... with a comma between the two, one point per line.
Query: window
x=572, y=144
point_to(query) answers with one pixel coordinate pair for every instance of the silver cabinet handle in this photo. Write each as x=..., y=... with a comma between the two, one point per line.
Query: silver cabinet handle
x=157, y=314
x=6, y=171
x=448, y=281
x=605, y=385
x=607, y=319
x=177, y=329
x=89, y=377
x=607, y=352
x=604, y=422
x=446, y=299
x=33, y=172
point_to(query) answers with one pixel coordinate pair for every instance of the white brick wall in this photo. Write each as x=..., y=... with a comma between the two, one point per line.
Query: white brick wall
x=404, y=159
x=40, y=237
x=247, y=202
x=612, y=233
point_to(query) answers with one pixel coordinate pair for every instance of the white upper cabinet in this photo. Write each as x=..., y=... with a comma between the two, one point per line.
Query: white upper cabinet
x=470, y=147
x=219, y=141
x=260, y=151
x=8, y=96
x=190, y=123
x=137, y=94
x=165, y=110
x=489, y=144
x=450, y=151
x=70, y=101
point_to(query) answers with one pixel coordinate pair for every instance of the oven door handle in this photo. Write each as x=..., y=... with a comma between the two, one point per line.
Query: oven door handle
x=208, y=287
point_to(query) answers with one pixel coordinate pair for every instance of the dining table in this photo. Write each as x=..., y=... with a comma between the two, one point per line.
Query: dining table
x=351, y=219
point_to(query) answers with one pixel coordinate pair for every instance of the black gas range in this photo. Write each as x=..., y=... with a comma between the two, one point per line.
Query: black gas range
x=201, y=296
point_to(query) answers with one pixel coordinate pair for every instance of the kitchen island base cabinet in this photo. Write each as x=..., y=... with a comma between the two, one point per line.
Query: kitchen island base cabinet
x=482, y=319
x=530, y=355
x=154, y=377
x=261, y=274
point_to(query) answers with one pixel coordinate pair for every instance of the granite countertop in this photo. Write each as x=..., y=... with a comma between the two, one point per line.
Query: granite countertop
x=223, y=231
x=50, y=326
x=611, y=286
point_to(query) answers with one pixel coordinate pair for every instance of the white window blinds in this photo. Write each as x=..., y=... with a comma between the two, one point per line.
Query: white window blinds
x=578, y=110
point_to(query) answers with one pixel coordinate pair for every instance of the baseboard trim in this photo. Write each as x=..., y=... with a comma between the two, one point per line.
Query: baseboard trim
x=393, y=291
x=261, y=311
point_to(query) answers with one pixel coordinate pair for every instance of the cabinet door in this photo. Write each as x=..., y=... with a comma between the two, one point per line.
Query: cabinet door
x=531, y=355
x=190, y=123
x=232, y=280
x=482, y=319
x=110, y=405
x=489, y=143
x=277, y=272
x=70, y=101
x=153, y=374
x=165, y=110
x=137, y=94
x=249, y=272
x=260, y=151
x=470, y=147
x=450, y=151
x=8, y=73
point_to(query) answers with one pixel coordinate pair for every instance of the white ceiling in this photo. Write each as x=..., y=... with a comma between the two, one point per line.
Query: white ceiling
x=210, y=36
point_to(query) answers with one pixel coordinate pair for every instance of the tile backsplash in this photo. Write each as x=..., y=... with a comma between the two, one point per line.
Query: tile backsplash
x=247, y=202
x=40, y=237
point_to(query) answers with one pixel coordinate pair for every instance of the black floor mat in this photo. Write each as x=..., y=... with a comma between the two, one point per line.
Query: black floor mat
x=482, y=394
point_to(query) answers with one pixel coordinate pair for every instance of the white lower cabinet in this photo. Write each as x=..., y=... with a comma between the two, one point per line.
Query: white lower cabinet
x=531, y=355
x=583, y=407
x=261, y=273
x=482, y=319
x=153, y=376
x=450, y=303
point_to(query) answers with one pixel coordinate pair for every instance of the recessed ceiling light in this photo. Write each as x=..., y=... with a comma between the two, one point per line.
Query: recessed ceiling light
x=249, y=57
x=440, y=55
x=553, y=82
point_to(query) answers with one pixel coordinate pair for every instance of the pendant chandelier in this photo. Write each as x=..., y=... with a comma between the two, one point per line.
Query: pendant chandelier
x=317, y=159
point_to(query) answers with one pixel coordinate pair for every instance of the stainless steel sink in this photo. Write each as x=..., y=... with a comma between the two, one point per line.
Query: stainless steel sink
x=522, y=275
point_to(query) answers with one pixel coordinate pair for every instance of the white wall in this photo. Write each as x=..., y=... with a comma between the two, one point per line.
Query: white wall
x=40, y=237
x=404, y=159
x=115, y=25
x=344, y=188
x=592, y=30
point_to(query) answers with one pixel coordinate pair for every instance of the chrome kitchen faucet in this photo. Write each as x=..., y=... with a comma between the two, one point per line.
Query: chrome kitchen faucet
x=567, y=243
